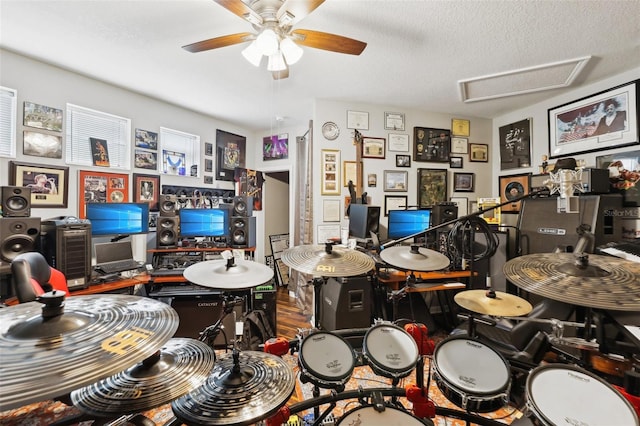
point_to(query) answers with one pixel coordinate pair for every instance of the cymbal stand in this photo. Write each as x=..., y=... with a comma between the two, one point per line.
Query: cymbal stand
x=317, y=290
x=395, y=295
x=210, y=333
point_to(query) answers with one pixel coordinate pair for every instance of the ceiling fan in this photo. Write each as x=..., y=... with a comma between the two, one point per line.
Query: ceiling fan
x=273, y=21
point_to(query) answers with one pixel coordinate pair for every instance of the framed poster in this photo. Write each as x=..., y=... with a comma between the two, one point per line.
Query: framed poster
x=433, y=145
x=330, y=169
x=463, y=182
x=394, y=202
x=432, y=187
x=49, y=184
x=230, y=153
x=605, y=120
x=515, y=145
x=99, y=187
x=146, y=189
x=146, y=159
x=396, y=181
x=275, y=147
x=146, y=139
x=512, y=187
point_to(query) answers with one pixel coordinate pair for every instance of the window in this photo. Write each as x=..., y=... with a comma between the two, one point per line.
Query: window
x=180, y=153
x=84, y=124
x=8, y=113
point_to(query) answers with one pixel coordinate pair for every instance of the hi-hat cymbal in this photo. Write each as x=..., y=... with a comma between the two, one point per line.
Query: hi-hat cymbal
x=327, y=260
x=228, y=274
x=43, y=357
x=603, y=282
x=414, y=258
x=243, y=391
x=180, y=366
x=484, y=302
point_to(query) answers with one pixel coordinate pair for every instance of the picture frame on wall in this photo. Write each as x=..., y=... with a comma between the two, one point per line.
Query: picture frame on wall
x=403, y=161
x=459, y=145
x=394, y=121
x=49, y=185
x=230, y=154
x=515, y=145
x=101, y=187
x=395, y=202
x=330, y=169
x=431, y=145
x=146, y=139
x=456, y=162
x=395, y=181
x=42, y=117
x=358, y=120
x=373, y=148
x=146, y=189
x=398, y=142
x=463, y=205
x=275, y=147
x=432, y=187
x=624, y=175
x=41, y=145
x=512, y=187
x=463, y=182
x=478, y=152
x=351, y=171
x=602, y=121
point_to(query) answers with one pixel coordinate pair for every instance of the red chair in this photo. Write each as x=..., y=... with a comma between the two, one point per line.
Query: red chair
x=32, y=276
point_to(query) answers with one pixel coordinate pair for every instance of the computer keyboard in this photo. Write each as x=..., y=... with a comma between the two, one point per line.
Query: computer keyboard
x=118, y=266
x=625, y=250
x=174, y=272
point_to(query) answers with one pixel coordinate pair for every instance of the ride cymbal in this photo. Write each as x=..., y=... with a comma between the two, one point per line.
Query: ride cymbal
x=46, y=353
x=243, y=388
x=414, y=258
x=494, y=303
x=327, y=260
x=595, y=281
x=228, y=274
x=180, y=366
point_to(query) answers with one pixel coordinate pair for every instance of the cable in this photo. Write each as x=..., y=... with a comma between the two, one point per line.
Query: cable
x=461, y=246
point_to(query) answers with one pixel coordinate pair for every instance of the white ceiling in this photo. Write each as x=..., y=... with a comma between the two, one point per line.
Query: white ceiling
x=417, y=51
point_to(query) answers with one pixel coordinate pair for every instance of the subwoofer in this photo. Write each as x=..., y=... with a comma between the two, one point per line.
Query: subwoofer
x=18, y=235
x=16, y=201
x=167, y=232
x=443, y=212
x=168, y=205
x=242, y=206
x=242, y=232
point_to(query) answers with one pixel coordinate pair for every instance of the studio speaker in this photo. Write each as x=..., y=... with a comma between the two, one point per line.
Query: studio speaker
x=443, y=212
x=346, y=303
x=168, y=205
x=167, y=232
x=18, y=235
x=242, y=232
x=242, y=206
x=363, y=220
x=16, y=201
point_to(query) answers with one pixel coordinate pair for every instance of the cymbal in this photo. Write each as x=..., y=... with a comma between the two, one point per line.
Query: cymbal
x=603, y=282
x=327, y=260
x=43, y=357
x=502, y=305
x=228, y=274
x=180, y=366
x=414, y=258
x=239, y=391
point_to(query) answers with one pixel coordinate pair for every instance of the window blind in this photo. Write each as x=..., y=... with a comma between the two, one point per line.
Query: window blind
x=8, y=118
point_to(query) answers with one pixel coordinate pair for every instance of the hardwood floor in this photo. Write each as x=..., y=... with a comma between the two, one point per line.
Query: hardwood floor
x=289, y=315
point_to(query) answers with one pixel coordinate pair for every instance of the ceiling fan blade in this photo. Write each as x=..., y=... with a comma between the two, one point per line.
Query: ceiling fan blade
x=214, y=43
x=279, y=75
x=237, y=7
x=327, y=41
x=298, y=9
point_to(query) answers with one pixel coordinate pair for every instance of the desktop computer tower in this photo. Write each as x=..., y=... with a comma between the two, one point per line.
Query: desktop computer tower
x=66, y=244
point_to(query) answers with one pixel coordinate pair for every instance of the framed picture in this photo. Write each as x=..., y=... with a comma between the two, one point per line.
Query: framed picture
x=330, y=210
x=605, y=120
x=99, y=187
x=459, y=145
x=146, y=159
x=373, y=148
x=463, y=205
x=358, y=120
x=432, y=187
x=432, y=145
x=351, y=171
x=479, y=152
x=624, y=175
x=372, y=180
x=515, y=145
x=275, y=147
x=395, y=181
x=328, y=232
x=146, y=139
x=393, y=121
x=463, y=182
x=100, y=152
x=42, y=117
x=146, y=189
x=398, y=142
x=208, y=149
x=208, y=165
x=230, y=153
x=512, y=187
x=403, y=161
x=460, y=127
x=49, y=184
x=456, y=162
x=208, y=179
x=330, y=166
x=394, y=202
x=42, y=145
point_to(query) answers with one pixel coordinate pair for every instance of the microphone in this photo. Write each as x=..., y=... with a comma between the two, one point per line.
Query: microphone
x=566, y=182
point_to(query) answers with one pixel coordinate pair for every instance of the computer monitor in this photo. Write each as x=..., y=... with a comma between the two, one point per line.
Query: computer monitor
x=403, y=223
x=118, y=218
x=204, y=222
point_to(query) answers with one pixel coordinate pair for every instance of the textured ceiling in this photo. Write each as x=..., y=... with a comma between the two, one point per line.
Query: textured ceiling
x=417, y=51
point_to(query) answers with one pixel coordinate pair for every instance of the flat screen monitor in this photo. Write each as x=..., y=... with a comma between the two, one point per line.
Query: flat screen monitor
x=204, y=222
x=118, y=218
x=403, y=223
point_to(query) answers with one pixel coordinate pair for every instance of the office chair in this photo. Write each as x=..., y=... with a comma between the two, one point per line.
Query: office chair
x=32, y=276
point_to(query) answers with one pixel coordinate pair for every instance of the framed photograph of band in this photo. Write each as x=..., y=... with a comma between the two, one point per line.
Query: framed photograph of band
x=100, y=187
x=432, y=187
x=512, y=187
x=605, y=120
x=49, y=185
x=146, y=189
x=433, y=145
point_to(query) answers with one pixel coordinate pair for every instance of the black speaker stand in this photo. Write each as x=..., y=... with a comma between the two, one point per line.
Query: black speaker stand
x=317, y=291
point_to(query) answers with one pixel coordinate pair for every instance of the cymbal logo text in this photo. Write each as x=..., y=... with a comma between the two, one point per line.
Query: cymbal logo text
x=125, y=340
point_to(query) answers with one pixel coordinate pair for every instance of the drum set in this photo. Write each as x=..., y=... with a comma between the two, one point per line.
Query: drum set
x=114, y=357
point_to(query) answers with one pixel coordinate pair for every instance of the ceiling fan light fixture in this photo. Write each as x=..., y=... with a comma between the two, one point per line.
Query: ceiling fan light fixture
x=291, y=51
x=276, y=62
x=252, y=54
x=267, y=42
